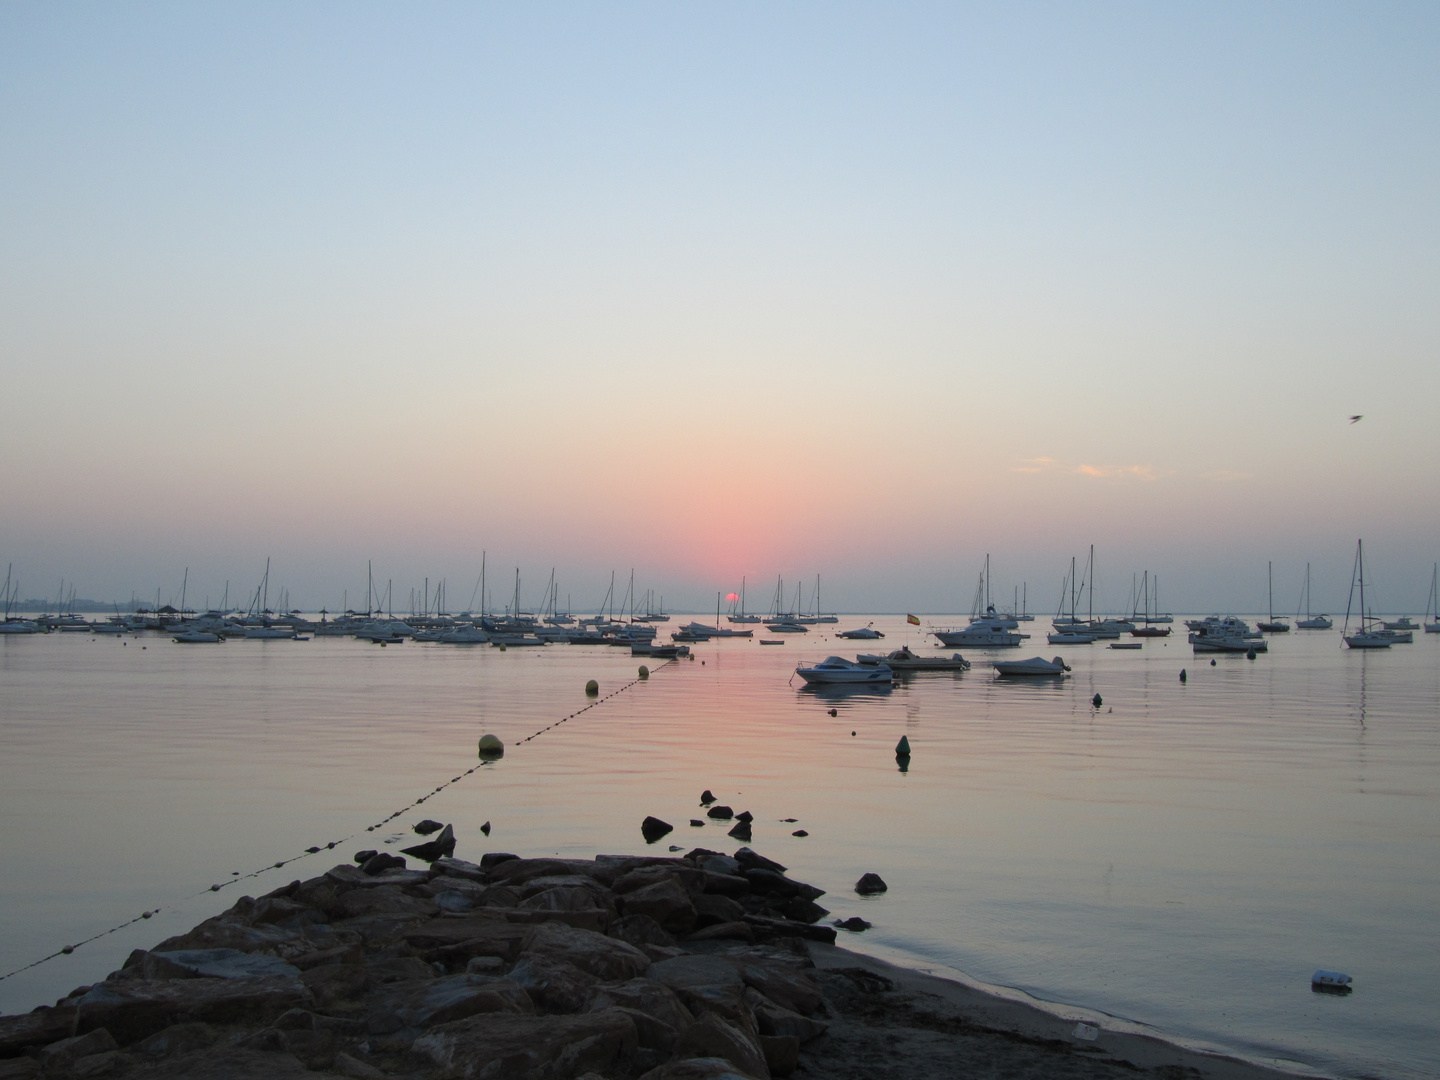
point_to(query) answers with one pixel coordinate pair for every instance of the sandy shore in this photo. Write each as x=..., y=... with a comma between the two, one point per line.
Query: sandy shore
x=904, y=1023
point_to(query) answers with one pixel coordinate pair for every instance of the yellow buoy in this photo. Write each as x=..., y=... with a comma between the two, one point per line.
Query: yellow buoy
x=491, y=746
x=644, y=672
x=592, y=688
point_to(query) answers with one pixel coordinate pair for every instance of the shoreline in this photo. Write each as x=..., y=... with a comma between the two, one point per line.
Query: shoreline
x=613, y=968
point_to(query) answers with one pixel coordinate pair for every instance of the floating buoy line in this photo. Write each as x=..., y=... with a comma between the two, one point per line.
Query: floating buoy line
x=331, y=844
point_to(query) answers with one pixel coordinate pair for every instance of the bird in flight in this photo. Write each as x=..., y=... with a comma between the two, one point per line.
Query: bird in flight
x=1357, y=419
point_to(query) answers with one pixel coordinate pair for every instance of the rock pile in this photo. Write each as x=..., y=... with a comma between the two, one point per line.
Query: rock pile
x=617, y=967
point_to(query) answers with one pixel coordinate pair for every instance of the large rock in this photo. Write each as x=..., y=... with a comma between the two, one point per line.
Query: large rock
x=458, y=939
x=37, y=1028
x=461, y=869
x=750, y=860
x=228, y=1062
x=438, y=1001
x=384, y=900
x=60, y=1056
x=441, y=847
x=136, y=1008
x=604, y=957
x=773, y=1020
x=332, y=984
x=695, y=970
x=569, y=899
x=643, y=995
x=711, y=908
x=783, y=985
x=227, y=933
x=509, y=1047
x=213, y=964
x=555, y=985
x=640, y=930
x=518, y=871
x=712, y=1068
x=713, y=1036
x=666, y=901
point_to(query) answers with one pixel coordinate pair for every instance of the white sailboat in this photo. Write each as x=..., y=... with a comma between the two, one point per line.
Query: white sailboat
x=740, y=616
x=1310, y=622
x=1368, y=637
x=1432, y=606
x=1273, y=625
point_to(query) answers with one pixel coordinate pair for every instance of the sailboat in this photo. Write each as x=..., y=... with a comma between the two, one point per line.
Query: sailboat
x=822, y=616
x=1273, y=625
x=1432, y=606
x=1367, y=637
x=740, y=616
x=1310, y=622
x=1147, y=630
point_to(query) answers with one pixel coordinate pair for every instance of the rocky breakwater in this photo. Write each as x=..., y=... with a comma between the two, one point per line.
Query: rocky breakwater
x=617, y=967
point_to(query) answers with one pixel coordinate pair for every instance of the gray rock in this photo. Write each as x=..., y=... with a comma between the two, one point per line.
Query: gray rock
x=508, y=1047
x=713, y=1036
x=802, y=910
x=454, y=900
x=459, y=868
x=870, y=884
x=492, y=859
x=381, y=862
x=555, y=985
x=441, y=847
x=710, y=1068
x=135, y=1008
x=652, y=829
x=426, y=827
x=59, y=1056
x=749, y=860
x=177, y=1039
x=666, y=901
x=362, y=857
x=604, y=957
x=741, y=831
x=437, y=1001
x=720, y=813
x=639, y=930
x=43, y=1025
x=773, y=1019
x=213, y=964
x=695, y=970
x=712, y=908
x=647, y=996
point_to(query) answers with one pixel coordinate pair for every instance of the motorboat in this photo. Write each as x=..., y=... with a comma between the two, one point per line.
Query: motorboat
x=978, y=636
x=515, y=641
x=19, y=626
x=787, y=626
x=1399, y=637
x=1126, y=645
x=464, y=635
x=1150, y=631
x=836, y=669
x=268, y=632
x=1036, y=665
x=196, y=637
x=1402, y=623
x=903, y=659
x=1070, y=637
x=864, y=633
x=1229, y=634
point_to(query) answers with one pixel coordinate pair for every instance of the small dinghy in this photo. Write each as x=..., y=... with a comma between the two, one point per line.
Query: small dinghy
x=904, y=660
x=1036, y=665
x=1126, y=645
x=836, y=669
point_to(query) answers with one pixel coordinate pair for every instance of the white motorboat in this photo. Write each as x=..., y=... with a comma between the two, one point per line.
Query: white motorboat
x=515, y=641
x=836, y=669
x=1126, y=645
x=19, y=626
x=864, y=633
x=465, y=635
x=1402, y=623
x=903, y=659
x=196, y=637
x=978, y=636
x=787, y=626
x=1036, y=665
x=1230, y=634
x=1067, y=637
x=268, y=632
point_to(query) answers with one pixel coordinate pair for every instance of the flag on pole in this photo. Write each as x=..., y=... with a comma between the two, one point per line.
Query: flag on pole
x=913, y=620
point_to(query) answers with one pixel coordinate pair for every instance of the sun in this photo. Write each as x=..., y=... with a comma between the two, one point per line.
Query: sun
x=731, y=598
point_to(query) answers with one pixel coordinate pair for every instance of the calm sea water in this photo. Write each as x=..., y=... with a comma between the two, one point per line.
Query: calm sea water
x=1182, y=857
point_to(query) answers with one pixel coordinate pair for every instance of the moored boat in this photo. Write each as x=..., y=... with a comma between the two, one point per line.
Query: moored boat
x=836, y=669
x=1036, y=665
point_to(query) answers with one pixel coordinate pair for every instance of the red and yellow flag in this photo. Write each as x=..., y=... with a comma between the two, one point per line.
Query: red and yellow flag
x=913, y=620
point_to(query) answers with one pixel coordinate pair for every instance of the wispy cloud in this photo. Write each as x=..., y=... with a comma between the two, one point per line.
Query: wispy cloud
x=1098, y=472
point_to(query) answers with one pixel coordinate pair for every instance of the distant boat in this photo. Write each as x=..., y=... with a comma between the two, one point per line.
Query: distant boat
x=1228, y=634
x=1036, y=665
x=785, y=626
x=1147, y=630
x=864, y=633
x=1368, y=636
x=1310, y=622
x=739, y=616
x=902, y=659
x=1432, y=606
x=1126, y=645
x=836, y=669
x=196, y=637
x=978, y=636
x=1273, y=625
x=1066, y=637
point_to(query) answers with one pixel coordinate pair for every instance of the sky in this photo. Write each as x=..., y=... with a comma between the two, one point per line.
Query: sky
x=718, y=292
